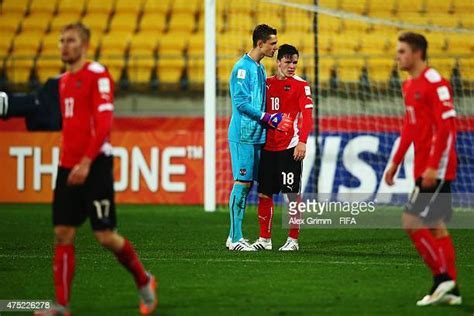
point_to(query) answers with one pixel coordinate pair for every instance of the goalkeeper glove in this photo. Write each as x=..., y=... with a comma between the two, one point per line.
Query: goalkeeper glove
x=280, y=121
x=3, y=104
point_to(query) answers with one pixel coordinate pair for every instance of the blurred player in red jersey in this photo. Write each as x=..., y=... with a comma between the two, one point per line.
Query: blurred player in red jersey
x=84, y=184
x=430, y=125
x=282, y=156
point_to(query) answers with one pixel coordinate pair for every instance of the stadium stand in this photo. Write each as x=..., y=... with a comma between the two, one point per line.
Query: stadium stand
x=139, y=37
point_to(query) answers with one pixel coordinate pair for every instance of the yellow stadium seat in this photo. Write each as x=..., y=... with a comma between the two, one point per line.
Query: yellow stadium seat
x=48, y=66
x=43, y=6
x=297, y=20
x=460, y=43
x=96, y=22
x=103, y=6
x=50, y=45
x=242, y=7
x=443, y=65
x=9, y=23
x=434, y=7
x=331, y=4
x=466, y=19
x=182, y=22
x=27, y=44
x=356, y=6
x=343, y=45
x=141, y=56
x=71, y=7
x=153, y=22
x=326, y=65
x=270, y=65
x=196, y=71
x=61, y=20
x=19, y=67
x=170, y=70
x=414, y=18
x=349, y=69
x=5, y=44
x=186, y=6
x=355, y=27
x=411, y=6
x=270, y=18
x=240, y=23
x=196, y=44
x=380, y=8
x=377, y=43
x=17, y=7
x=123, y=22
x=127, y=6
x=463, y=6
x=445, y=19
x=466, y=66
x=380, y=69
x=37, y=22
x=436, y=42
x=94, y=43
x=329, y=24
x=114, y=44
x=156, y=6
x=224, y=68
x=232, y=44
x=140, y=68
x=173, y=44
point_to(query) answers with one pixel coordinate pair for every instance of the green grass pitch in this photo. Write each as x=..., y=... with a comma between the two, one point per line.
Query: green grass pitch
x=337, y=272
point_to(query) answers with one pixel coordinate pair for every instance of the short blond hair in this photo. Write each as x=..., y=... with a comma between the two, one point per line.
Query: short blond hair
x=83, y=30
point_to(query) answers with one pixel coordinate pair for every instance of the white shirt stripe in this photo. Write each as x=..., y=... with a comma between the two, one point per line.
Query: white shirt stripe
x=105, y=107
x=443, y=165
x=448, y=114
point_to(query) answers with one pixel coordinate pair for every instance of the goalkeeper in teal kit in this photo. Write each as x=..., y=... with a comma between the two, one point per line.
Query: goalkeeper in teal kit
x=247, y=127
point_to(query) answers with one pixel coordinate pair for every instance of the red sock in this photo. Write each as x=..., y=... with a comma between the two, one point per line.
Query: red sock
x=294, y=231
x=448, y=255
x=265, y=216
x=63, y=272
x=129, y=259
x=427, y=247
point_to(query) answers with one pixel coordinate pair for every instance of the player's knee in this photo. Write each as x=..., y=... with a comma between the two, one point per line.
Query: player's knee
x=411, y=223
x=64, y=234
x=109, y=240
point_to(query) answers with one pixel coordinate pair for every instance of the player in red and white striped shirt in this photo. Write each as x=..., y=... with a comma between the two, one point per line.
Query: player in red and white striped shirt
x=84, y=183
x=430, y=126
x=281, y=159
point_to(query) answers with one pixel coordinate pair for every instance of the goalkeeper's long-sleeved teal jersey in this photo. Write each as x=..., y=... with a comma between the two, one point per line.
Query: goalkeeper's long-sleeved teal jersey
x=247, y=92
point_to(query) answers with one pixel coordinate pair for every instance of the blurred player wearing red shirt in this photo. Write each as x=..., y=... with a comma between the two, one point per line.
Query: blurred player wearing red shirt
x=84, y=183
x=282, y=156
x=430, y=125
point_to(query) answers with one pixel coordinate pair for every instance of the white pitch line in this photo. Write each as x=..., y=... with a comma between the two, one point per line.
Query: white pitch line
x=223, y=260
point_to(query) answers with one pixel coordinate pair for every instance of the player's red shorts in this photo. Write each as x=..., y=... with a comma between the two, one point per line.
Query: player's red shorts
x=94, y=199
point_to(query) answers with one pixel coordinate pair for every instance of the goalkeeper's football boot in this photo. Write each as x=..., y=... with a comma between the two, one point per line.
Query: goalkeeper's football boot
x=147, y=293
x=443, y=284
x=262, y=244
x=241, y=245
x=228, y=242
x=452, y=298
x=55, y=310
x=290, y=245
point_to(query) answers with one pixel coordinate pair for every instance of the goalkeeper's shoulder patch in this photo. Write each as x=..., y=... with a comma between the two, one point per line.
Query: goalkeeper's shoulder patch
x=241, y=73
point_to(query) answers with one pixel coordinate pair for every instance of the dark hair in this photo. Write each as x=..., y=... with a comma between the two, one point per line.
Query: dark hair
x=262, y=32
x=416, y=41
x=286, y=50
x=83, y=30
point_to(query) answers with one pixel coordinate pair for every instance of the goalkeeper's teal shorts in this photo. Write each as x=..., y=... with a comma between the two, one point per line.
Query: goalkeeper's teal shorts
x=245, y=159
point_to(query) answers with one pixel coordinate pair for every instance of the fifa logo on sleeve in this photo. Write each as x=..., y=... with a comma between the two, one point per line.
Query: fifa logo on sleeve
x=243, y=172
